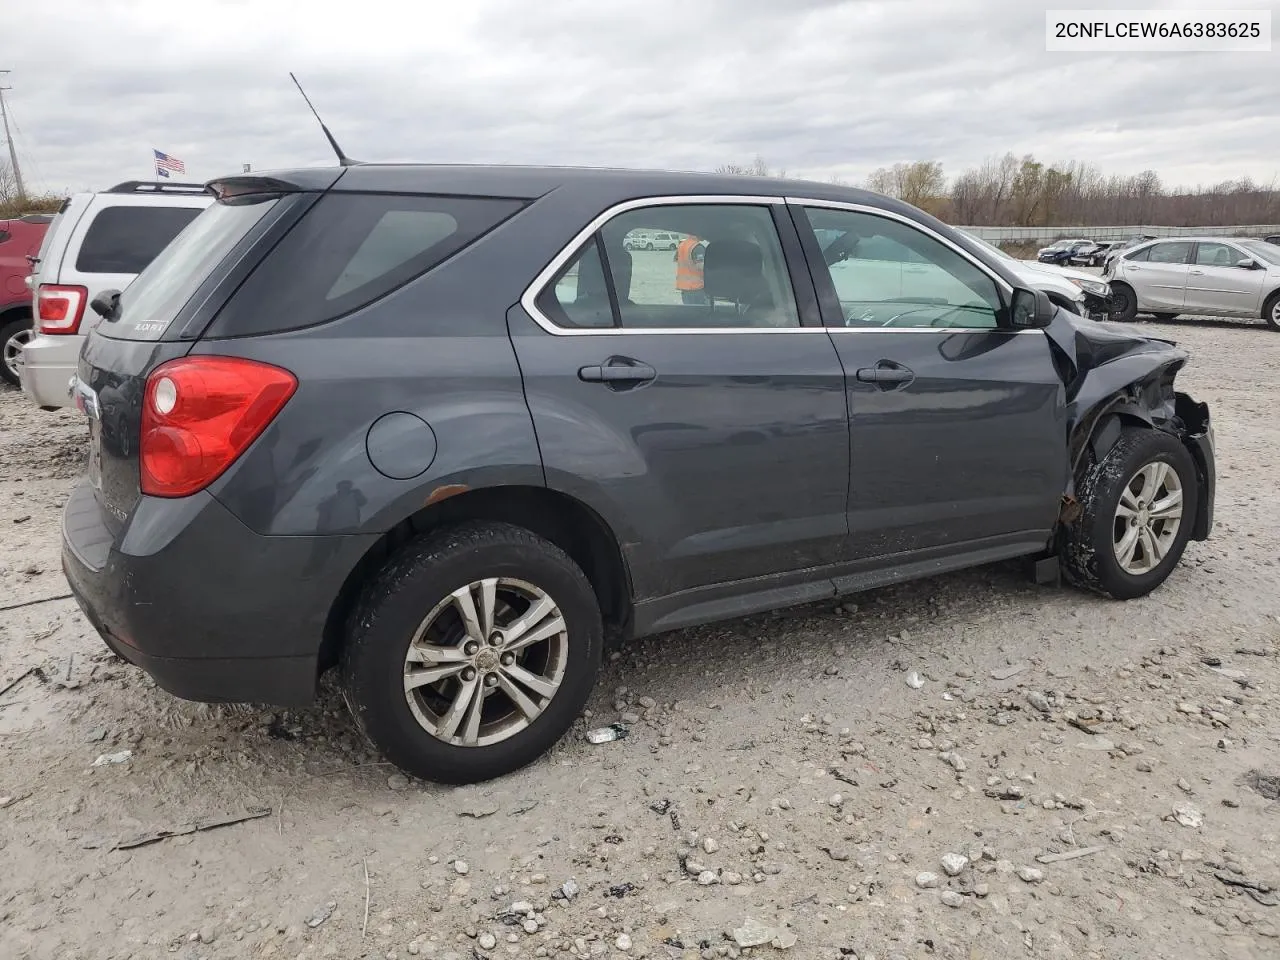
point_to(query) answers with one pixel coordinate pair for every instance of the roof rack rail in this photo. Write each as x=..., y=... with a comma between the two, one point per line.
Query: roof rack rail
x=156, y=186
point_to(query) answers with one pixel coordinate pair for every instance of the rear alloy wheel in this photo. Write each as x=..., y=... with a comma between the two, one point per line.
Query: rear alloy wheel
x=1271, y=311
x=14, y=335
x=1125, y=303
x=472, y=653
x=1139, y=503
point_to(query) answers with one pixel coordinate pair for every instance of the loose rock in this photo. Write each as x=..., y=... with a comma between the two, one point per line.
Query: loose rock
x=953, y=864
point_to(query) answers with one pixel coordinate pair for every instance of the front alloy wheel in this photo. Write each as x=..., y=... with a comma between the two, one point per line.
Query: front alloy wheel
x=1148, y=518
x=1138, y=505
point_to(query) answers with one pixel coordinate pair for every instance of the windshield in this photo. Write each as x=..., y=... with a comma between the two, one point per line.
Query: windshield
x=1266, y=252
x=150, y=303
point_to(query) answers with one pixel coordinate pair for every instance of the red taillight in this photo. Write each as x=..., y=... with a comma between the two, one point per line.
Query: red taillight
x=199, y=414
x=59, y=308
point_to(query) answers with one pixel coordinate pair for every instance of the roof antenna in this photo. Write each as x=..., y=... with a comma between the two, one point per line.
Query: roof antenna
x=343, y=159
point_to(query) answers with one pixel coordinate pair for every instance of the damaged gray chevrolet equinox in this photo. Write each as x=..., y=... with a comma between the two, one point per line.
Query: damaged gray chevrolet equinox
x=451, y=429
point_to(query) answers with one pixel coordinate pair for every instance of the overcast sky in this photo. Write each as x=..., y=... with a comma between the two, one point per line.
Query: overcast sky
x=821, y=87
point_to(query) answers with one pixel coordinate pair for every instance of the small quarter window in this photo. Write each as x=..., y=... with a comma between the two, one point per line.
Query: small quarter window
x=579, y=295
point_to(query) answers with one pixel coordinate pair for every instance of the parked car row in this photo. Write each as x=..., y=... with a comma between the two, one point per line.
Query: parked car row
x=658, y=240
x=436, y=427
x=1085, y=253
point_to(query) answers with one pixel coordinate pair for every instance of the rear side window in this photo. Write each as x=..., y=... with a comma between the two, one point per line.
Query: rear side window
x=126, y=239
x=1170, y=252
x=351, y=249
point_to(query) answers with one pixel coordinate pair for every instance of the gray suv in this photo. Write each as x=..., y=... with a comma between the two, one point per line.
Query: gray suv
x=434, y=426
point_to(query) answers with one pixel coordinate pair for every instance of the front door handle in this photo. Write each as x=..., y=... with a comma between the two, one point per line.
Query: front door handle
x=1197, y=273
x=620, y=370
x=886, y=375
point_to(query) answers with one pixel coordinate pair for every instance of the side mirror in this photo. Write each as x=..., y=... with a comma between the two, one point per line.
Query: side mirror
x=1248, y=263
x=1030, y=309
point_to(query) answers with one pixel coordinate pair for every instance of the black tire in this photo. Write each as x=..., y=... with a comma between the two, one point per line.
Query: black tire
x=1165, y=317
x=394, y=605
x=1125, y=303
x=1087, y=551
x=8, y=331
x=1271, y=311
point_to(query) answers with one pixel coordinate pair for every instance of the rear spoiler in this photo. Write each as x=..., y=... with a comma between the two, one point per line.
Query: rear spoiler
x=259, y=184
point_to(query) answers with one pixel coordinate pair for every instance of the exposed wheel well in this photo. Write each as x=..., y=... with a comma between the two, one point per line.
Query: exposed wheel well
x=568, y=523
x=15, y=313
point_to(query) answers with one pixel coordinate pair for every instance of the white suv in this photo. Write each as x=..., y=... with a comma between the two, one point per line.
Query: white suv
x=97, y=242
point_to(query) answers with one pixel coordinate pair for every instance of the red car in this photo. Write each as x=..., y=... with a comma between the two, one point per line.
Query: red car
x=19, y=241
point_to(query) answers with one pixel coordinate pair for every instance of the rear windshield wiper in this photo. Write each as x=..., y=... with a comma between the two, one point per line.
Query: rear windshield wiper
x=107, y=305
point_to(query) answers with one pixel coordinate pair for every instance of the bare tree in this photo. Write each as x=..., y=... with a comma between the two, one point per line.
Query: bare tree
x=1023, y=191
x=758, y=167
x=8, y=183
x=920, y=183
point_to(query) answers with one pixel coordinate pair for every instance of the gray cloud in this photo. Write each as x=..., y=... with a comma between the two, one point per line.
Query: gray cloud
x=820, y=87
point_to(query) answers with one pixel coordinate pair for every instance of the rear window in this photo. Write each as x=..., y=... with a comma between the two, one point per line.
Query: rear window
x=351, y=249
x=126, y=239
x=149, y=304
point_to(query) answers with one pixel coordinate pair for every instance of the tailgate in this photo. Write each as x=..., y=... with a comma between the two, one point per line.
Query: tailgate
x=110, y=383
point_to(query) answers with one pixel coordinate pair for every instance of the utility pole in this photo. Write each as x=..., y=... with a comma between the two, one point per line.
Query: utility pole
x=13, y=153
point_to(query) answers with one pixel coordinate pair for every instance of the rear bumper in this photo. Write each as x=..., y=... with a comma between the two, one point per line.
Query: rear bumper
x=211, y=610
x=48, y=364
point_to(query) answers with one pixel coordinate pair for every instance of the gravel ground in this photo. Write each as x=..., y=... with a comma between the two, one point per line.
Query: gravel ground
x=965, y=767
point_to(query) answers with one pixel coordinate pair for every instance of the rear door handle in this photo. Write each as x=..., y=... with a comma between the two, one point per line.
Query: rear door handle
x=886, y=375
x=1197, y=273
x=618, y=370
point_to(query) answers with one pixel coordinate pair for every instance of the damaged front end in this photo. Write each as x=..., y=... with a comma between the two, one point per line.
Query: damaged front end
x=1114, y=378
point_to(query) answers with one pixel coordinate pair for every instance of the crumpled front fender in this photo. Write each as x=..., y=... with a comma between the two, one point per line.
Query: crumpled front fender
x=1114, y=376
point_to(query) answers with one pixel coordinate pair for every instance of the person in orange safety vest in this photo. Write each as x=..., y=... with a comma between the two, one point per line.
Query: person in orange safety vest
x=689, y=254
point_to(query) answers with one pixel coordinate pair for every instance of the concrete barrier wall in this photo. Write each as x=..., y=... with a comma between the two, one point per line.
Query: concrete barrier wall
x=1016, y=234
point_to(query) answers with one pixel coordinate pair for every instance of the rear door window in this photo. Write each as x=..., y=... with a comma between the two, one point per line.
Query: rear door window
x=1176, y=252
x=126, y=239
x=351, y=249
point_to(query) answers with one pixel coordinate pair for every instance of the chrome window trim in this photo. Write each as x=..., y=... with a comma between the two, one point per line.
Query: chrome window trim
x=528, y=299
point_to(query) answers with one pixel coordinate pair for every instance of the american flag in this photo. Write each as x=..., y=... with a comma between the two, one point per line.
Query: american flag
x=166, y=163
